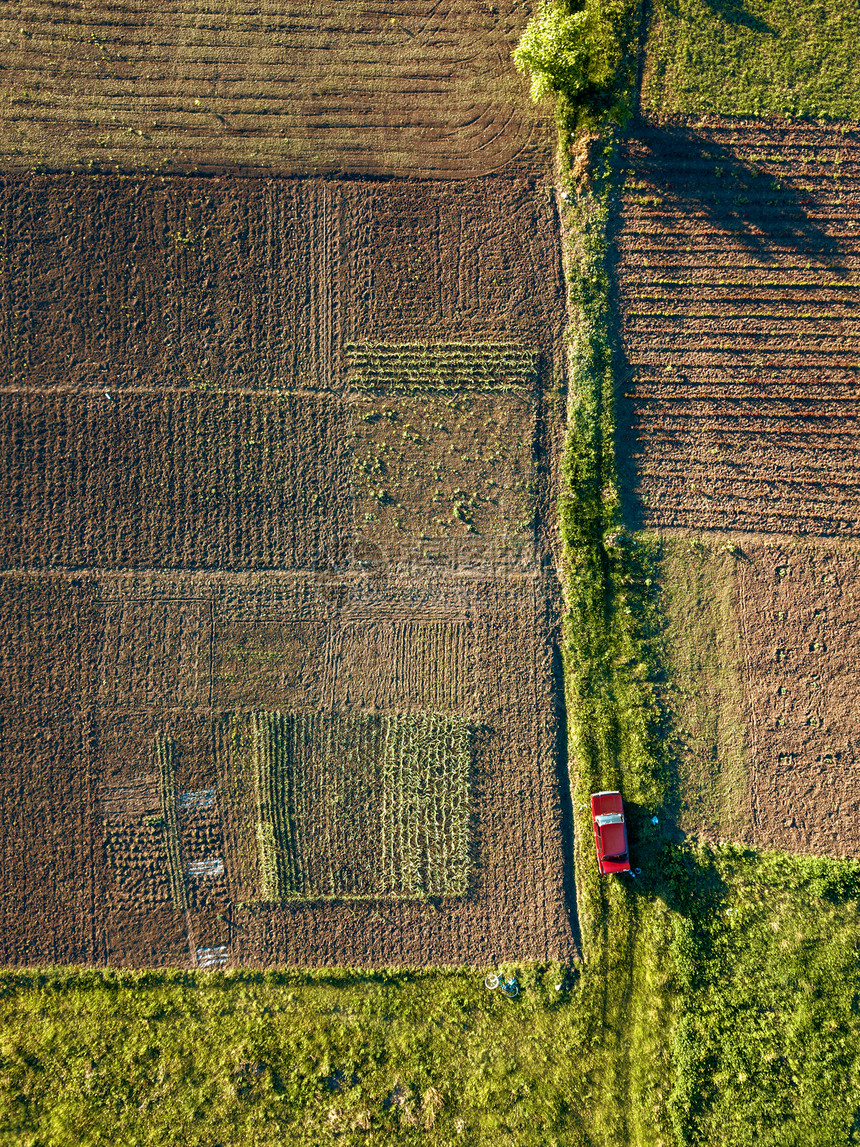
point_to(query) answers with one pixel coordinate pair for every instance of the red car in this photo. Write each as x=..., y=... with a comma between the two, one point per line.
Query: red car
x=610, y=832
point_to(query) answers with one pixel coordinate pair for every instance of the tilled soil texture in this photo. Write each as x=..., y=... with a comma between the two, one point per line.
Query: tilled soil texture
x=244, y=374
x=324, y=87
x=738, y=270
x=124, y=841
x=799, y=609
x=248, y=284
x=277, y=555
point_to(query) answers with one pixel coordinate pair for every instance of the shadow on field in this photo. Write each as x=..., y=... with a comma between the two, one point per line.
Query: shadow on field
x=687, y=169
x=730, y=12
x=748, y=216
x=565, y=790
x=688, y=885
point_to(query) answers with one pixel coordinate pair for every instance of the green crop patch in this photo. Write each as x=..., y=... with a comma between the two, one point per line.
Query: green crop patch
x=441, y=366
x=336, y=806
x=765, y=57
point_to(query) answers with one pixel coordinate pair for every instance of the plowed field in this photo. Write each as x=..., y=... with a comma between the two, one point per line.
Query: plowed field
x=424, y=87
x=739, y=286
x=799, y=616
x=126, y=839
x=266, y=284
x=277, y=619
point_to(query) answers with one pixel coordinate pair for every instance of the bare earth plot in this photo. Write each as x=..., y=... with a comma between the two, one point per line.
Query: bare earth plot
x=133, y=810
x=738, y=282
x=278, y=604
x=738, y=289
x=405, y=87
x=799, y=611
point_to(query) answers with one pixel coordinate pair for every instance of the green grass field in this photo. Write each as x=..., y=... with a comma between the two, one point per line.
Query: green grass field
x=330, y=1057
x=719, y=1007
x=754, y=57
x=766, y=1044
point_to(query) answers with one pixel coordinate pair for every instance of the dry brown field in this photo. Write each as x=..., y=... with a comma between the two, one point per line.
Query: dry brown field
x=762, y=658
x=405, y=87
x=278, y=584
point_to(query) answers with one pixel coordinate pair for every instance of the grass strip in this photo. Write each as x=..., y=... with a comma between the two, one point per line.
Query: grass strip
x=307, y=1058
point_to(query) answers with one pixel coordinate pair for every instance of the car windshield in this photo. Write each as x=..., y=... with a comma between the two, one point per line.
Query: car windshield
x=610, y=818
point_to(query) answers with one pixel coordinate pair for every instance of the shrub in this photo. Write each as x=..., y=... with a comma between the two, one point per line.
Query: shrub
x=554, y=50
x=587, y=55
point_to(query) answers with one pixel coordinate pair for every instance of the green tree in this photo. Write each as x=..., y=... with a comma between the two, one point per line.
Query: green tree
x=554, y=50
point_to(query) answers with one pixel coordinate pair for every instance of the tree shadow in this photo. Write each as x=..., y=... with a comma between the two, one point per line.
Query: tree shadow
x=731, y=12
x=691, y=170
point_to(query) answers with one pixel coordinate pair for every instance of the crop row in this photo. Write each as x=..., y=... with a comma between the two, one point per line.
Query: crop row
x=788, y=317
x=747, y=352
x=165, y=758
x=708, y=283
x=711, y=263
x=441, y=366
x=359, y=807
x=782, y=386
x=779, y=336
x=689, y=430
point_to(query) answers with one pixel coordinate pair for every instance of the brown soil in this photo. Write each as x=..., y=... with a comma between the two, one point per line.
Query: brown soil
x=195, y=545
x=738, y=273
x=333, y=86
x=87, y=864
x=739, y=256
x=799, y=608
x=263, y=284
x=762, y=655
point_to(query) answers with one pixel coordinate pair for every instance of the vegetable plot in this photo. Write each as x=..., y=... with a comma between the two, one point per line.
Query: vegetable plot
x=355, y=806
